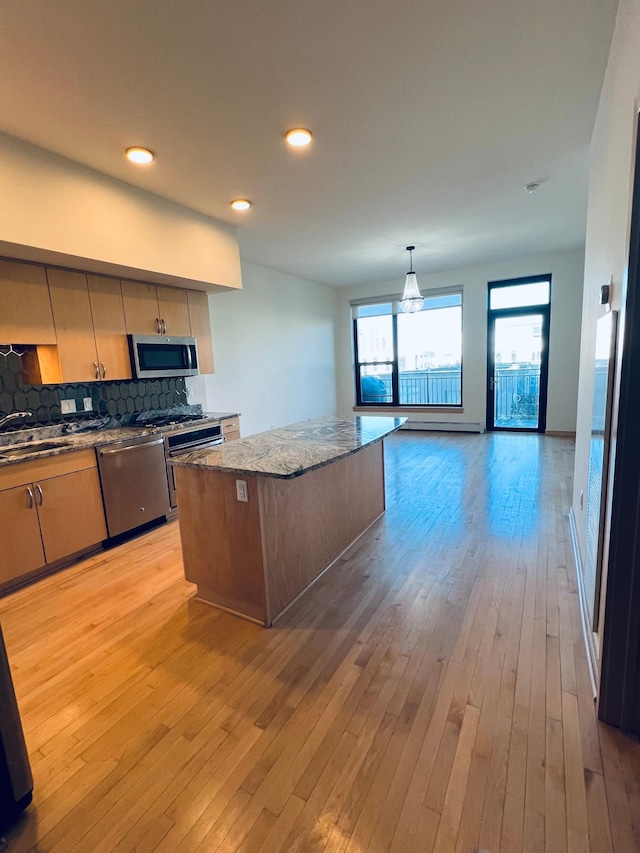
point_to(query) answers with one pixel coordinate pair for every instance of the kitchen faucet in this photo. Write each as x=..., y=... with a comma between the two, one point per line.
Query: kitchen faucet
x=13, y=417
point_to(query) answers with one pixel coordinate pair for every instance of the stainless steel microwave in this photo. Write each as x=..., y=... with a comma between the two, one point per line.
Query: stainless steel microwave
x=158, y=356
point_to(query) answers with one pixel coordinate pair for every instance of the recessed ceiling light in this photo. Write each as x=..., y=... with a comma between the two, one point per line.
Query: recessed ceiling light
x=299, y=137
x=241, y=204
x=139, y=155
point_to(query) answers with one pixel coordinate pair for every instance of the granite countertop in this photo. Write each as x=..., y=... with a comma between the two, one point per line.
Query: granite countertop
x=59, y=440
x=293, y=450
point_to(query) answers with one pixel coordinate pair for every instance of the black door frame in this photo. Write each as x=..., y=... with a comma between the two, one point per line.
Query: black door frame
x=495, y=313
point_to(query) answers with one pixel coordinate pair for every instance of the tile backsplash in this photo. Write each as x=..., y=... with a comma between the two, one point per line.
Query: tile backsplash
x=118, y=398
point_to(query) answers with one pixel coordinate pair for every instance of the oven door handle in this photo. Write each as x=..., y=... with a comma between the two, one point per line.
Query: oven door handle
x=142, y=444
x=205, y=445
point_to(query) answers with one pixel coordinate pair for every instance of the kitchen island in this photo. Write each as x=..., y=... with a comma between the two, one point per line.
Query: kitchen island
x=262, y=518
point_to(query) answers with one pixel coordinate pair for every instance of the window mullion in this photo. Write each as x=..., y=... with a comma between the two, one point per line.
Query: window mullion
x=395, y=374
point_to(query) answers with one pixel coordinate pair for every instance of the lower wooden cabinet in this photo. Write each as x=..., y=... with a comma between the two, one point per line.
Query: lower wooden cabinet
x=49, y=510
x=22, y=550
x=231, y=429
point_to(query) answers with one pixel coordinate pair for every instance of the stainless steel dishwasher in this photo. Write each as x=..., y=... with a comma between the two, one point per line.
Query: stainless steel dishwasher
x=133, y=475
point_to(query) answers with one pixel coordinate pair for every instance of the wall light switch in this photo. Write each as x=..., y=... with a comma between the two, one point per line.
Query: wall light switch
x=241, y=491
x=87, y=402
x=68, y=407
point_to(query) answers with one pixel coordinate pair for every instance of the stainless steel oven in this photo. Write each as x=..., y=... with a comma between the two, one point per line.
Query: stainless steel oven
x=186, y=440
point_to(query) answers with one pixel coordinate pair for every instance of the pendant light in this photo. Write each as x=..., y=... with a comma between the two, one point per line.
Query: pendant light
x=411, y=299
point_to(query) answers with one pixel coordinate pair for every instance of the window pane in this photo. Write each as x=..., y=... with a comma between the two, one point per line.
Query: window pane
x=519, y=295
x=375, y=339
x=430, y=357
x=447, y=300
x=375, y=384
x=373, y=310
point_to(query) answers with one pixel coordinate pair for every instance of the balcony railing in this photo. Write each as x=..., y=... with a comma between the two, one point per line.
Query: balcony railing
x=516, y=396
x=516, y=391
x=417, y=387
x=430, y=387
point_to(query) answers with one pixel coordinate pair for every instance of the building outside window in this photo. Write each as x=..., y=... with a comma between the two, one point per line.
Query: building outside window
x=409, y=359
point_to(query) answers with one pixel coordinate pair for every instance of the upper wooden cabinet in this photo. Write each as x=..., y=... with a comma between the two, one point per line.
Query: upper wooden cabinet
x=78, y=322
x=25, y=309
x=74, y=326
x=109, y=327
x=152, y=310
x=174, y=311
x=90, y=328
x=200, y=324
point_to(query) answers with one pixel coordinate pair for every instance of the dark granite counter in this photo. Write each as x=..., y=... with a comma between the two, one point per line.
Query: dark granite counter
x=293, y=450
x=59, y=439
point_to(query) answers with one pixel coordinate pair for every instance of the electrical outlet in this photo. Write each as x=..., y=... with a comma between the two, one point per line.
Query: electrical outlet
x=68, y=407
x=242, y=491
x=87, y=402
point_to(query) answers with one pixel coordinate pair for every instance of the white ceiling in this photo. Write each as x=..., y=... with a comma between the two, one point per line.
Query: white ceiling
x=429, y=117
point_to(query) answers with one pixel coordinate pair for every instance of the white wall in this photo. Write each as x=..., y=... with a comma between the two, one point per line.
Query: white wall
x=567, y=271
x=274, y=351
x=610, y=188
x=56, y=211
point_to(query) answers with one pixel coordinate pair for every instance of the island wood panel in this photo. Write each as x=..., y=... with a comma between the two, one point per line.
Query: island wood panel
x=310, y=520
x=26, y=316
x=221, y=543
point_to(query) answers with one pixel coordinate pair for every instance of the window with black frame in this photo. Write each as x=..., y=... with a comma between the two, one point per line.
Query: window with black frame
x=409, y=359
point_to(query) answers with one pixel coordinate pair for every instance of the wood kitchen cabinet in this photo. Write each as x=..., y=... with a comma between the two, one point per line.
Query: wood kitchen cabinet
x=22, y=550
x=174, y=311
x=200, y=323
x=49, y=510
x=109, y=327
x=155, y=310
x=25, y=316
x=74, y=327
x=231, y=429
x=90, y=328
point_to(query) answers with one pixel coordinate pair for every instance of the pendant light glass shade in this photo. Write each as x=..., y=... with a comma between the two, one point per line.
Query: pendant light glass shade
x=412, y=300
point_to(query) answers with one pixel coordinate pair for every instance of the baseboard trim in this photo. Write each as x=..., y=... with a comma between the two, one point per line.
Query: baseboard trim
x=443, y=426
x=587, y=634
x=560, y=433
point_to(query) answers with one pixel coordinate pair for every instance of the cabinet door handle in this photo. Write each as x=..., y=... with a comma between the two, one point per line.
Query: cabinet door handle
x=40, y=494
x=164, y=328
x=104, y=370
x=30, y=493
x=158, y=326
x=97, y=369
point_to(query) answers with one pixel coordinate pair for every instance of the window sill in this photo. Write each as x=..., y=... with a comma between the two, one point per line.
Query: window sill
x=401, y=410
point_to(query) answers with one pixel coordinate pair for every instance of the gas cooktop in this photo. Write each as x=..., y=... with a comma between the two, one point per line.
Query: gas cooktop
x=167, y=417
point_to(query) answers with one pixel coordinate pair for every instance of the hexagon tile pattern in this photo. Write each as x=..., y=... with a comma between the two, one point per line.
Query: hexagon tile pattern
x=116, y=398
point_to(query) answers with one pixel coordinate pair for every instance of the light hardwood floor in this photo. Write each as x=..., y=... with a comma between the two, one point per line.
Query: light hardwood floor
x=430, y=693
